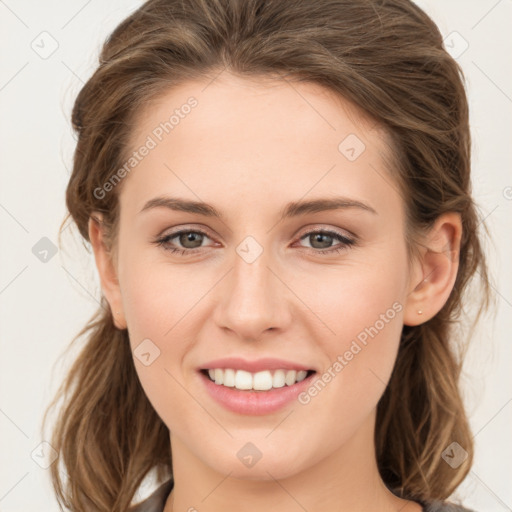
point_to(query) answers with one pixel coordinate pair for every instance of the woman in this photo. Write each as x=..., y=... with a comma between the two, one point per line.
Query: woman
x=278, y=199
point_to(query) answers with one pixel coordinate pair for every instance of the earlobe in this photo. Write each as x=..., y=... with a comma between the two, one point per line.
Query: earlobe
x=435, y=270
x=106, y=269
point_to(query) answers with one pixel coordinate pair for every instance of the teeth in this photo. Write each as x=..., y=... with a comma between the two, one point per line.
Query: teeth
x=219, y=376
x=243, y=380
x=301, y=375
x=278, y=380
x=290, y=377
x=259, y=381
x=262, y=381
x=229, y=378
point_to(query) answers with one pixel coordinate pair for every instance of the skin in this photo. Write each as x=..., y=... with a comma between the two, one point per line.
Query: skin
x=249, y=148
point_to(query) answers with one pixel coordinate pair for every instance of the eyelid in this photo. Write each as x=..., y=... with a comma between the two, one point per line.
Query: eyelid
x=184, y=229
x=331, y=230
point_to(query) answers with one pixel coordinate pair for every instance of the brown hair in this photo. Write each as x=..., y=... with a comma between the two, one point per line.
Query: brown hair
x=386, y=57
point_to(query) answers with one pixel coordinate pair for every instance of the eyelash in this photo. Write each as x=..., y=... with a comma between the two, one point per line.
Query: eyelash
x=346, y=242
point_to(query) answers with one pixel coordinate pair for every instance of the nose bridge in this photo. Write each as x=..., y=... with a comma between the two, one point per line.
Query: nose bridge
x=254, y=299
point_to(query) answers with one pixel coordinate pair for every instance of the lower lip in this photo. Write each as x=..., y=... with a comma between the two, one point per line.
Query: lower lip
x=254, y=402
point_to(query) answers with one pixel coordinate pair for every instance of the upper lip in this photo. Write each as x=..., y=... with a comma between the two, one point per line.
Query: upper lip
x=257, y=365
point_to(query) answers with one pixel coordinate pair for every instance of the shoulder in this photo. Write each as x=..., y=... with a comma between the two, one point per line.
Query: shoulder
x=156, y=501
x=443, y=506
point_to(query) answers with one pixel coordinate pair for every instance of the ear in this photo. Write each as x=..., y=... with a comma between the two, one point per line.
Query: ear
x=435, y=270
x=106, y=269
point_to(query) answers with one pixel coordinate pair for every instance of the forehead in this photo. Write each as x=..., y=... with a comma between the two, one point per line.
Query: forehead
x=228, y=100
x=261, y=139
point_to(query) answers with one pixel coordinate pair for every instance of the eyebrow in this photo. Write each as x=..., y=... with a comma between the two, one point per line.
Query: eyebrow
x=293, y=209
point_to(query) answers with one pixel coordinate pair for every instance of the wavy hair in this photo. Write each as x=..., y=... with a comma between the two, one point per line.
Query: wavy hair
x=384, y=56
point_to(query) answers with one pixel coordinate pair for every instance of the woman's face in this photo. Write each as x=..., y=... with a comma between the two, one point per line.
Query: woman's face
x=256, y=285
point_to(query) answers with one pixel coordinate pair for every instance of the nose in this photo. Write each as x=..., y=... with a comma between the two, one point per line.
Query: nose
x=254, y=299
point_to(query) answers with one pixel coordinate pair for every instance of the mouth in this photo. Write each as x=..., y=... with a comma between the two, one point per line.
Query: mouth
x=261, y=381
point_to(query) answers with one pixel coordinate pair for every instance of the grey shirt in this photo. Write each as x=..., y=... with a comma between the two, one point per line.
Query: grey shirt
x=156, y=502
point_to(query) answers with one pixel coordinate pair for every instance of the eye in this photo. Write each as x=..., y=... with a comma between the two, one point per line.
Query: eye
x=322, y=239
x=190, y=240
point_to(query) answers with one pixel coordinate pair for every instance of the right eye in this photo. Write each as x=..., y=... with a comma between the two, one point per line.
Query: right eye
x=184, y=237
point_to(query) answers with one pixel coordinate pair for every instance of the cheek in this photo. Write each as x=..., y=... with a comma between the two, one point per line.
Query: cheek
x=367, y=299
x=161, y=304
x=157, y=297
x=359, y=364
x=157, y=303
x=370, y=310
x=364, y=308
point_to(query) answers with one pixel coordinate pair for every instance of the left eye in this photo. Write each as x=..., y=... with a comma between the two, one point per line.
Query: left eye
x=191, y=241
x=326, y=237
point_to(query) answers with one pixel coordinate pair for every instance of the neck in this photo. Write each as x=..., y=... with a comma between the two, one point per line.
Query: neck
x=347, y=480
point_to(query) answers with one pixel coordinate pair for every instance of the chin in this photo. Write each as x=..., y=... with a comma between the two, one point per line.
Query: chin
x=271, y=465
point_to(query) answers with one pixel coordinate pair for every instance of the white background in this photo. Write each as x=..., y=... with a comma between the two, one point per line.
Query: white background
x=43, y=305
